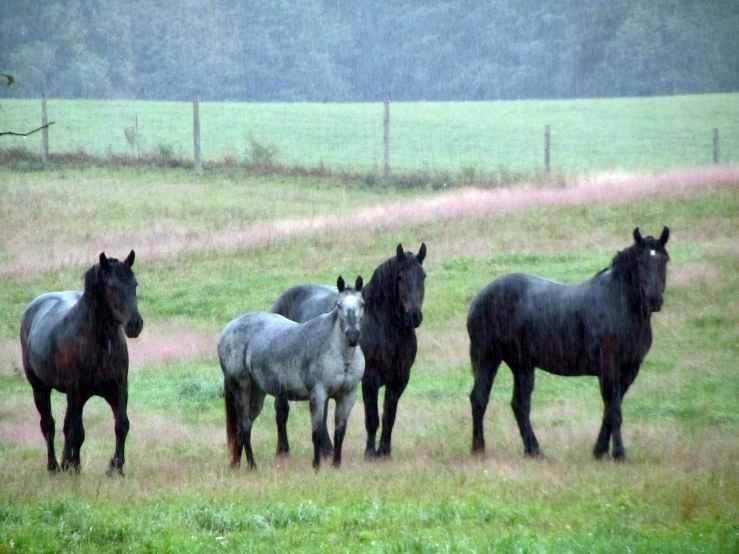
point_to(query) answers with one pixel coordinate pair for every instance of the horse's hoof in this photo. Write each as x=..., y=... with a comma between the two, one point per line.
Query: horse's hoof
x=74, y=466
x=619, y=457
x=370, y=455
x=282, y=454
x=478, y=450
x=600, y=454
x=533, y=454
x=52, y=467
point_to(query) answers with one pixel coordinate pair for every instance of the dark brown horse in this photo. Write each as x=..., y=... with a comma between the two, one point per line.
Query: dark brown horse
x=393, y=300
x=600, y=327
x=76, y=343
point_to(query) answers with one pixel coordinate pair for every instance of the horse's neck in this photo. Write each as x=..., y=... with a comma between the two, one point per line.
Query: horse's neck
x=338, y=339
x=94, y=317
x=380, y=303
x=630, y=295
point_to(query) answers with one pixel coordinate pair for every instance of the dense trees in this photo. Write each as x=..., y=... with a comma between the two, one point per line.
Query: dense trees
x=329, y=50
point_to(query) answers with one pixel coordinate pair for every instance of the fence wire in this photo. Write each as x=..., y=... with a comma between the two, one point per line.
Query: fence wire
x=468, y=138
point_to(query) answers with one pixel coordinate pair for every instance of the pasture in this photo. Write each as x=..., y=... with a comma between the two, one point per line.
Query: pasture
x=211, y=247
x=475, y=139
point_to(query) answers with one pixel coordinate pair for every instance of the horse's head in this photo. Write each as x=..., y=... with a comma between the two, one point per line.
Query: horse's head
x=350, y=306
x=651, y=267
x=115, y=286
x=410, y=283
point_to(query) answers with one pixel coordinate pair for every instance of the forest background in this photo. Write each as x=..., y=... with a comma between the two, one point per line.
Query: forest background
x=334, y=51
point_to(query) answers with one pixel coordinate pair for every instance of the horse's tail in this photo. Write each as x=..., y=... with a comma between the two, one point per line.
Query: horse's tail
x=231, y=426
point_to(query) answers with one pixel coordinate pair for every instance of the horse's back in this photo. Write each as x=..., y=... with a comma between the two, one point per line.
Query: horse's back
x=248, y=336
x=304, y=302
x=38, y=323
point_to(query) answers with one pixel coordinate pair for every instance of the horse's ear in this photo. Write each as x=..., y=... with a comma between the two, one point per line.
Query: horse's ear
x=421, y=253
x=358, y=284
x=130, y=258
x=340, y=284
x=638, y=239
x=664, y=237
x=104, y=263
x=399, y=252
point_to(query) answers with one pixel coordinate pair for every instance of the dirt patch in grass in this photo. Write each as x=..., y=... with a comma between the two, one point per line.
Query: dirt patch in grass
x=165, y=343
x=163, y=241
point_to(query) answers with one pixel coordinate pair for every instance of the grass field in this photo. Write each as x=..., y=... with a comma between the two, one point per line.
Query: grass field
x=678, y=491
x=474, y=139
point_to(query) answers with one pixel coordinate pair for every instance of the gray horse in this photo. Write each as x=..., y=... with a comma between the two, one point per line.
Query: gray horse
x=264, y=353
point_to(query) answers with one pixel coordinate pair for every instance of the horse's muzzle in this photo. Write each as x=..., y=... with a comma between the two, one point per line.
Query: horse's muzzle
x=133, y=327
x=352, y=337
x=414, y=318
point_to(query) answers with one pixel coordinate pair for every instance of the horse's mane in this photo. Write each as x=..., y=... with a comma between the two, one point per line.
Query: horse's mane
x=377, y=292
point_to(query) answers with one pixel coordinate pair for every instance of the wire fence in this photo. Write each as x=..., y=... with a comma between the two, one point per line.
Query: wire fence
x=467, y=138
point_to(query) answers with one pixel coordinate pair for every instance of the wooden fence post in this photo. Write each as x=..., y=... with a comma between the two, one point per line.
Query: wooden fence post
x=715, y=145
x=546, y=149
x=44, y=131
x=386, y=136
x=197, y=162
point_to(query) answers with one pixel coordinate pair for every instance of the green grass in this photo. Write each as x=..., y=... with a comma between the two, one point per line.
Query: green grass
x=677, y=492
x=471, y=139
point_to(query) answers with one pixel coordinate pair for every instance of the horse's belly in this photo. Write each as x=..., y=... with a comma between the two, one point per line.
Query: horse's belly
x=282, y=380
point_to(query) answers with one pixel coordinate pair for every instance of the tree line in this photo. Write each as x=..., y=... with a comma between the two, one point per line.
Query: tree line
x=404, y=50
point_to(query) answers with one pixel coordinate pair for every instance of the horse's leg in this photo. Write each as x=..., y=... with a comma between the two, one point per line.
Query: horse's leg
x=74, y=432
x=371, y=417
x=42, y=398
x=232, y=397
x=282, y=410
x=117, y=398
x=523, y=386
x=326, y=446
x=317, y=404
x=343, y=408
x=393, y=391
x=243, y=404
x=627, y=377
x=256, y=402
x=611, y=426
x=485, y=367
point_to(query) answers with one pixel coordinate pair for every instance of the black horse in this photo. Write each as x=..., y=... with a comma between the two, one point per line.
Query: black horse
x=600, y=327
x=76, y=343
x=393, y=300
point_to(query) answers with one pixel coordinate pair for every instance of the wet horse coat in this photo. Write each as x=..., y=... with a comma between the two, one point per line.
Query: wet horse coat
x=264, y=353
x=600, y=327
x=76, y=343
x=393, y=302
